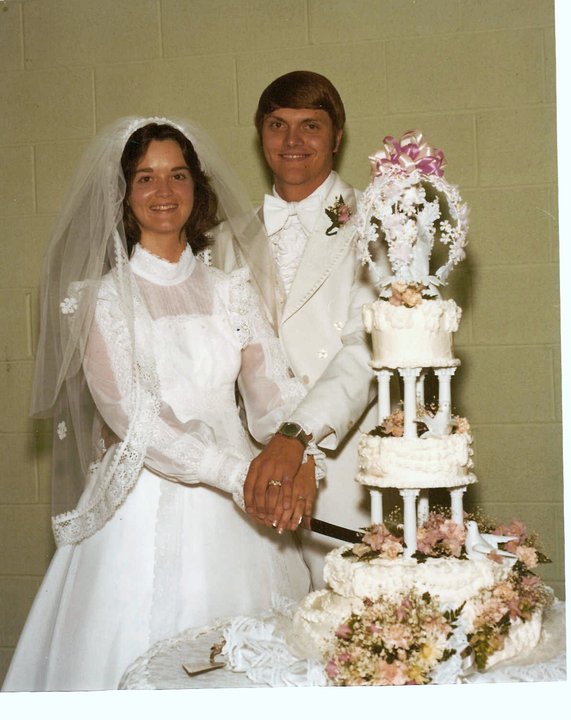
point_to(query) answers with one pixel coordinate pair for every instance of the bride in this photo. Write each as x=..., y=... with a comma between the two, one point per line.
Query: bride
x=141, y=346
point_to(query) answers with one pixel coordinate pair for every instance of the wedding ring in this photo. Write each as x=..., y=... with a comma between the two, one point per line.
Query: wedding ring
x=277, y=483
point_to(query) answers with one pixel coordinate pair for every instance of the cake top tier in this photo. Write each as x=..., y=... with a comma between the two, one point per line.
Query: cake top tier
x=408, y=205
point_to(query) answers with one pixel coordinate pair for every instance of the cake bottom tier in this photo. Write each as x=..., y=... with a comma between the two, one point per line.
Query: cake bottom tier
x=455, y=584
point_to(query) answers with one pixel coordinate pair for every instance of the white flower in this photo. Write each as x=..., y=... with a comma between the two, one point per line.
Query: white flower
x=68, y=306
x=62, y=430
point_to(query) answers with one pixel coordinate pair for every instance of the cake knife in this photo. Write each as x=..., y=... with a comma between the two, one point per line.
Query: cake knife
x=334, y=531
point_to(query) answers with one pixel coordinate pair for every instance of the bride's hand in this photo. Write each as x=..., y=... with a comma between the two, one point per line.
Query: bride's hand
x=270, y=477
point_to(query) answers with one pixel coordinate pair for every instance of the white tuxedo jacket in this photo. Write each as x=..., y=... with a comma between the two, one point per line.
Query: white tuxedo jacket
x=327, y=348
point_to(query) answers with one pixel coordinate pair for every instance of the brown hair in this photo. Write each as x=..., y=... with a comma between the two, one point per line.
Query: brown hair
x=205, y=205
x=301, y=89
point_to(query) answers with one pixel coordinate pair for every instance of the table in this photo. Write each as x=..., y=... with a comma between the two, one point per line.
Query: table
x=161, y=667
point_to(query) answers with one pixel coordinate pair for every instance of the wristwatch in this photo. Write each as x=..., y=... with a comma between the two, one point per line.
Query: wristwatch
x=293, y=430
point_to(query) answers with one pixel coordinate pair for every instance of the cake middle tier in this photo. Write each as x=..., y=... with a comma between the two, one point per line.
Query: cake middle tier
x=432, y=462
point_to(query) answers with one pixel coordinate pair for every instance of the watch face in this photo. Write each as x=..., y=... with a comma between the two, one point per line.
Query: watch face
x=295, y=431
x=290, y=429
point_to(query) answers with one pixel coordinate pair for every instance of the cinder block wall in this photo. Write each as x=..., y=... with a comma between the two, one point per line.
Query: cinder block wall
x=476, y=76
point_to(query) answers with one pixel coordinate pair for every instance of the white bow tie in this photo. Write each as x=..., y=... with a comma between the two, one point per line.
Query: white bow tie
x=277, y=211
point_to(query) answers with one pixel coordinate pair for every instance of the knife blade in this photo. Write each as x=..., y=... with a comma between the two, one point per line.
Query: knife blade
x=330, y=530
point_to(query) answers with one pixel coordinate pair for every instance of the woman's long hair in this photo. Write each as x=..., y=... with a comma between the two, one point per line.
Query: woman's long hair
x=205, y=206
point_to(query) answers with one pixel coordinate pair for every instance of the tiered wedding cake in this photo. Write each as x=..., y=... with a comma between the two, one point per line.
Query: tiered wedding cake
x=428, y=596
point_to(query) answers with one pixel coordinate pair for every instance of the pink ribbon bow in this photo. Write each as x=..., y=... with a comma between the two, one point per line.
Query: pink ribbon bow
x=411, y=153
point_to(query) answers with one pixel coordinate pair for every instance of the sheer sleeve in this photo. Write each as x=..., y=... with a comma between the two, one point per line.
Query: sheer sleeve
x=267, y=386
x=269, y=389
x=186, y=452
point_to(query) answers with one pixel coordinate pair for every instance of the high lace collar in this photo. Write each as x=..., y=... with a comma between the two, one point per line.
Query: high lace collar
x=160, y=271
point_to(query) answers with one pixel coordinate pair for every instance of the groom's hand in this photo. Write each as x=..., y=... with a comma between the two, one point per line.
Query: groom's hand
x=271, y=476
x=304, y=491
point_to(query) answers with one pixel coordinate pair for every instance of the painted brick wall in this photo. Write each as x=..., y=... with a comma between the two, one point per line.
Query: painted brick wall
x=476, y=76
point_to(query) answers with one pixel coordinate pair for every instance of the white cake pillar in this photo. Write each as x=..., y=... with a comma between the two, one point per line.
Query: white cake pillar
x=444, y=389
x=384, y=399
x=456, y=505
x=423, y=508
x=409, y=376
x=420, y=389
x=409, y=499
x=376, y=507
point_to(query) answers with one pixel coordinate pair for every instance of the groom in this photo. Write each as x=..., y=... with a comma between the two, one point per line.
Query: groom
x=320, y=287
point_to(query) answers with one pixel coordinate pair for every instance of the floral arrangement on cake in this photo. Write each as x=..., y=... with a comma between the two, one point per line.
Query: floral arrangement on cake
x=392, y=643
x=411, y=639
x=408, y=205
x=427, y=421
x=440, y=536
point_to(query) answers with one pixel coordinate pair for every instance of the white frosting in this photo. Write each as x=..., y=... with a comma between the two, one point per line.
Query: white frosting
x=416, y=462
x=451, y=581
x=522, y=637
x=402, y=338
x=316, y=619
x=420, y=336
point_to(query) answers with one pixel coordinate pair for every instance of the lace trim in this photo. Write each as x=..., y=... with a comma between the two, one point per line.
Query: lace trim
x=319, y=459
x=242, y=305
x=140, y=377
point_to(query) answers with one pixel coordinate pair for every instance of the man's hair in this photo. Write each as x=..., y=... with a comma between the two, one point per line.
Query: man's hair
x=301, y=89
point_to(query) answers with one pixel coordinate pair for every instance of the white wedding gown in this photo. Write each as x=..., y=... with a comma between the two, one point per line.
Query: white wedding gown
x=177, y=553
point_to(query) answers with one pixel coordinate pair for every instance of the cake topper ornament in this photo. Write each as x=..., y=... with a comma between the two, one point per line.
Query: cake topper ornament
x=408, y=205
x=411, y=153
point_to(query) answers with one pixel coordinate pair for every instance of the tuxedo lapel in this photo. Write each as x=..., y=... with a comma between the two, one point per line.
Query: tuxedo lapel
x=322, y=251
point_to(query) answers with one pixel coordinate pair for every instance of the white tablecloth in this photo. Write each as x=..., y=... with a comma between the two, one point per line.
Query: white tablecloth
x=161, y=668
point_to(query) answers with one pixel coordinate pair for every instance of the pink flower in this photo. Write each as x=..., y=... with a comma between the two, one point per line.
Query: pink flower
x=338, y=213
x=530, y=581
x=403, y=610
x=426, y=539
x=344, y=632
x=392, y=673
x=392, y=549
x=527, y=555
x=396, y=636
x=343, y=213
x=453, y=537
x=516, y=527
x=514, y=607
x=331, y=669
x=376, y=536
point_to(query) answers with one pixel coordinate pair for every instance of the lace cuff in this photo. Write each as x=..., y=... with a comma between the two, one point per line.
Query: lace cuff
x=224, y=471
x=318, y=458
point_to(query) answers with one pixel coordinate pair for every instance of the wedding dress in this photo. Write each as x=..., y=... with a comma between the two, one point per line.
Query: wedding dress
x=176, y=553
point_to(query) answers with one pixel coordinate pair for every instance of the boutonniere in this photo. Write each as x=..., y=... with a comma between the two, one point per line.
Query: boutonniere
x=339, y=213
